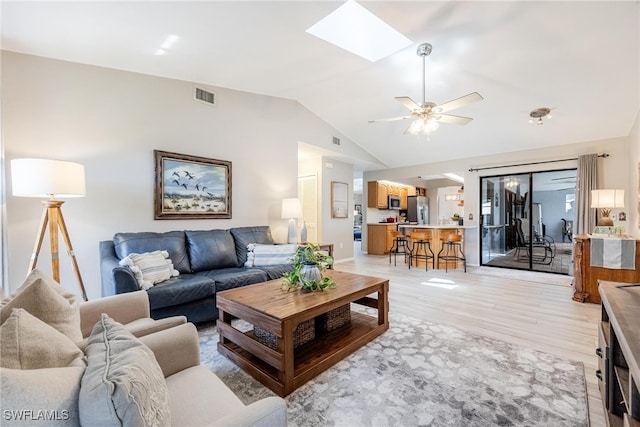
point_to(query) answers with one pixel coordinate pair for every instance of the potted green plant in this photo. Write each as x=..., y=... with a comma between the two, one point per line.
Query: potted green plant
x=308, y=264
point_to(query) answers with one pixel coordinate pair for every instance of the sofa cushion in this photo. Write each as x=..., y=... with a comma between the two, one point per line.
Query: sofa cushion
x=123, y=383
x=211, y=249
x=179, y=290
x=45, y=299
x=173, y=242
x=50, y=392
x=150, y=268
x=29, y=343
x=261, y=255
x=212, y=401
x=245, y=235
x=228, y=278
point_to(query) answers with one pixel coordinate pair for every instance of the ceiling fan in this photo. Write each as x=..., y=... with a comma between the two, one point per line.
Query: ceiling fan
x=428, y=114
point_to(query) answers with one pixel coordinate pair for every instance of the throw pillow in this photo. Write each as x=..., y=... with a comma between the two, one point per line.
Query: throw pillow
x=48, y=301
x=29, y=343
x=123, y=384
x=40, y=397
x=262, y=255
x=150, y=268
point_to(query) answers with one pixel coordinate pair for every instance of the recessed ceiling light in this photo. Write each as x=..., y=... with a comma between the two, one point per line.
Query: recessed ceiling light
x=354, y=28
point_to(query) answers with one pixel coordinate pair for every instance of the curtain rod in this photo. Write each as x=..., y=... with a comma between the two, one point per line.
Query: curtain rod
x=605, y=155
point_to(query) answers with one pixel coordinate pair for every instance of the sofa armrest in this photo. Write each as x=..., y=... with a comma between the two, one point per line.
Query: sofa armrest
x=122, y=308
x=268, y=412
x=115, y=278
x=176, y=348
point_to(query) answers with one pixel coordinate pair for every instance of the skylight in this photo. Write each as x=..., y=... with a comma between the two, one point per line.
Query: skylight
x=354, y=28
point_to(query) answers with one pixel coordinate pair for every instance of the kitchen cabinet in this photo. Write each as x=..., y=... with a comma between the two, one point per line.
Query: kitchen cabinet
x=421, y=191
x=404, y=192
x=379, y=238
x=377, y=195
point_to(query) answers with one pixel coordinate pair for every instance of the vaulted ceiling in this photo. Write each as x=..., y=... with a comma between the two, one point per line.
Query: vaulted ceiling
x=581, y=59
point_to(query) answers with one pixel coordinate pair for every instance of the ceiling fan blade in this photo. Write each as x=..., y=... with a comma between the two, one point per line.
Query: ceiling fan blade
x=391, y=119
x=407, y=102
x=459, y=102
x=455, y=120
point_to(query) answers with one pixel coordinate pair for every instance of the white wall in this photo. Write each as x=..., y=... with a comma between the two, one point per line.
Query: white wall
x=338, y=231
x=111, y=121
x=633, y=211
x=613, y=173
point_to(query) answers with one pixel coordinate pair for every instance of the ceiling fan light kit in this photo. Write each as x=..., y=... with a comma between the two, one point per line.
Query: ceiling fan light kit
x=538, y=114
x=428, y=115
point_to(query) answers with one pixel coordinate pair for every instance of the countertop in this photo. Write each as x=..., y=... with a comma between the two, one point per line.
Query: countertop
x=439, y=226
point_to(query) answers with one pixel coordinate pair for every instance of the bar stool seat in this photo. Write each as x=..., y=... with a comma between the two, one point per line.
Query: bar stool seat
x=421, y=240
x=400, y=246
x=452, y=244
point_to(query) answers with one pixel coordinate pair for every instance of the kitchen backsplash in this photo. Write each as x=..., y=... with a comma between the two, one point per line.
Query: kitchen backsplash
x=376, y=215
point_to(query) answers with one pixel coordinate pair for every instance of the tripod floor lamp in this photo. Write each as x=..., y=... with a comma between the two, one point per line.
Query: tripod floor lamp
x=50, y=178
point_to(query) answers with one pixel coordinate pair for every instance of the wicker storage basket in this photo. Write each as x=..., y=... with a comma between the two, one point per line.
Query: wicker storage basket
x=303, y=333
x=334, y=319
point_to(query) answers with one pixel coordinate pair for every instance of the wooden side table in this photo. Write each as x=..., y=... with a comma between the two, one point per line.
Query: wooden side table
x=585, y=280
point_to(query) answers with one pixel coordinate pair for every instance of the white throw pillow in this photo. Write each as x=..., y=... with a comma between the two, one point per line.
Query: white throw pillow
x=123, y=384
x=150, y=268
x=262, y=255
x=45, y=299
x=29, y=343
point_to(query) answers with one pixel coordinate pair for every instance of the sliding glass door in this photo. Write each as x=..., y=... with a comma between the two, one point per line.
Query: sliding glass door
x=527, y=219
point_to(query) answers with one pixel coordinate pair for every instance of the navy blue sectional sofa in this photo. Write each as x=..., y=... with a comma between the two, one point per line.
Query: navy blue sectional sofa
x=208, y=261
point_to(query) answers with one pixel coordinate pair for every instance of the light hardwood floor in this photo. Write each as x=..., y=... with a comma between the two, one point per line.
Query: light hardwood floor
x=523, y=308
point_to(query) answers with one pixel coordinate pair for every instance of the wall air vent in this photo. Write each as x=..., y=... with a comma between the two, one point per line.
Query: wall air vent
x=336, y=140
x=204, y=96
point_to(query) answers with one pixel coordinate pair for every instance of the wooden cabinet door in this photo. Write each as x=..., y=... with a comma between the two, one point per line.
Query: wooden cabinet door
x=372, y=194
x=383, y=193
x=390, y=237
x=404, y=192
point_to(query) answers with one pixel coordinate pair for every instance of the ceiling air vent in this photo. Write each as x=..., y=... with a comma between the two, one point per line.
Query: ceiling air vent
x=204, y=96
x=336, y=140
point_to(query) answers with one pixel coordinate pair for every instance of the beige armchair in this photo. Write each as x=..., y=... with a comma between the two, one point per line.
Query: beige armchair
x=130, y=309
x=197, y=396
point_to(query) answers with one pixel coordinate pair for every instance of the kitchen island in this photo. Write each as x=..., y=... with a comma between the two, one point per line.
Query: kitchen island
x=437, y=231
x=379, y=241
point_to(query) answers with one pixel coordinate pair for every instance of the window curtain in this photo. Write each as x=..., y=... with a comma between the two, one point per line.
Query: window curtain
x=585, y=219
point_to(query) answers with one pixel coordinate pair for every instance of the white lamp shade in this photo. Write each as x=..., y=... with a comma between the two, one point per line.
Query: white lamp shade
x=607, y=199
x=291, y=208
x=47, y=178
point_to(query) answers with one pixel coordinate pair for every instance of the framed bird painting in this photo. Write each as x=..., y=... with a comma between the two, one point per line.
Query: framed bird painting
x=191, y=187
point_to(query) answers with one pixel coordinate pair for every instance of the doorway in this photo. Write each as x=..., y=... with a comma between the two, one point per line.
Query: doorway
x=527, y=220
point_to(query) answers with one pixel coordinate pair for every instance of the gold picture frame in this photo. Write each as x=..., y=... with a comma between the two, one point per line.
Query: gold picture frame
x=339, y=199
x=191, y=187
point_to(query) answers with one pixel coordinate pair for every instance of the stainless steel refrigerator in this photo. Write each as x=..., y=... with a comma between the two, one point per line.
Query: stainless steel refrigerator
x=418, y=209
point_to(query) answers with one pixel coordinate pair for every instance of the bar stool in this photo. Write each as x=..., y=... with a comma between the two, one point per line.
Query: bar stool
x=421, y=240
x=400, y=246
x=453, y=245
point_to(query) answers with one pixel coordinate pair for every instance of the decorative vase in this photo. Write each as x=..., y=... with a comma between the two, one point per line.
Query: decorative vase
x=310, y=272
x=303, y=232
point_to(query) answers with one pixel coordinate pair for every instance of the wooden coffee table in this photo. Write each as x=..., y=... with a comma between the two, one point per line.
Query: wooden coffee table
x=267, y=306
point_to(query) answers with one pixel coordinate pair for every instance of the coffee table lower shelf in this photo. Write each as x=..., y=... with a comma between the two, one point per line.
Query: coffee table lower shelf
x=310, y=359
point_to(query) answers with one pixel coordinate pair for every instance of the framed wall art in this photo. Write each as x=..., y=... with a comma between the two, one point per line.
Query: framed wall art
x=191, y=187
x=339, y=202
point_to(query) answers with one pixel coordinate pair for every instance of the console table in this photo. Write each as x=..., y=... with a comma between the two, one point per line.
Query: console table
x=619, y=352
x=585, y=280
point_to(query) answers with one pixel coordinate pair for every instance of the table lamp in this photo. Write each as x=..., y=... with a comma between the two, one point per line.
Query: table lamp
x=50, y=178
x=291, y=209
x=606, y=200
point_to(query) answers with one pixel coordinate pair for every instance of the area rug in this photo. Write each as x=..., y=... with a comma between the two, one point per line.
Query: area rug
x=426, y=374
